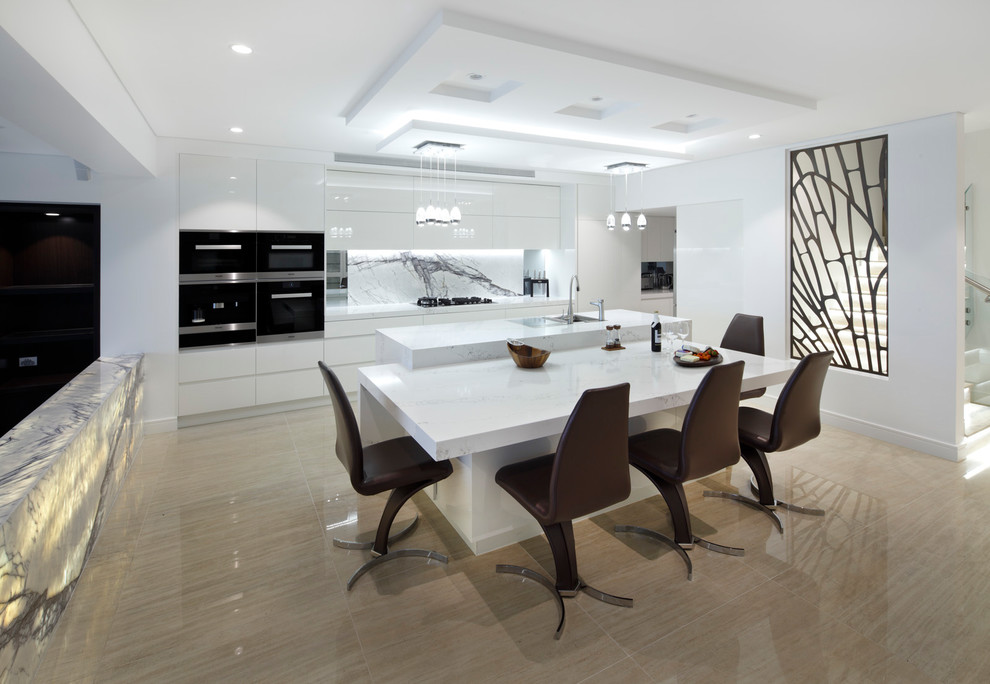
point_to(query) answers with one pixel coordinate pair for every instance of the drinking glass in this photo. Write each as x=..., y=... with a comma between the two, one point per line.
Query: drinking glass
x=682, y=329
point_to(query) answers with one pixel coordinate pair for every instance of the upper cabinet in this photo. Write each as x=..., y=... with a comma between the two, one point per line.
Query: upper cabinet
x=217, y=193
x=658, y=239
x=229, y=193
x=290, y=196
x=515, y=199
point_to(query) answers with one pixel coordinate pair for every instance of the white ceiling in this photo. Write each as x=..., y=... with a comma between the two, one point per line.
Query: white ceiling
x=678, y=81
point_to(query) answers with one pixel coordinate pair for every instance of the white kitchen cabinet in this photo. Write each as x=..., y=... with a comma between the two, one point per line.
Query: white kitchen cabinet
x=355, y=191
x=461, y=316
x=216, y=395
x=212, y=364
x=277, y=357
x=662, y=305
x=350, y=344
x=657, y=241
x=290, y=196
x=289, y=386
x=516, y=199
x=369, y=230
x=474, y=232
x=525, y=232
x=217, y=193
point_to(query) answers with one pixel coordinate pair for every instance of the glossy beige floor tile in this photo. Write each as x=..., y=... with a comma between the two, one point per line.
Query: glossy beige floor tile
x=216, y=564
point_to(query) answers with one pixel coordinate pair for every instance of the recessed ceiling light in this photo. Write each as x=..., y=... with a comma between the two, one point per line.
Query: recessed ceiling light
x=236, y=129
x=596, y=98
x=50, y=213
x=233, y=178
x=241, y=49
x=754, y=136
x=475, y=77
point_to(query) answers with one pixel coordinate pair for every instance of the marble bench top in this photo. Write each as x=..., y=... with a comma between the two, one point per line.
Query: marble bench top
x=28, y=449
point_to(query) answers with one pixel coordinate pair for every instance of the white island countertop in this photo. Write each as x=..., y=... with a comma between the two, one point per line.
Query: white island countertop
x=437, y=345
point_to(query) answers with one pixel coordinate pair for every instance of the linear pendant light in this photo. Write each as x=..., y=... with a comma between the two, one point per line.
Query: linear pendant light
x=625, y=168
x=439, y=214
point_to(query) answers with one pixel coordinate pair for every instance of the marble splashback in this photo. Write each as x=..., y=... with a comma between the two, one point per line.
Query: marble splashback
x=381, y=277
x=60, y=471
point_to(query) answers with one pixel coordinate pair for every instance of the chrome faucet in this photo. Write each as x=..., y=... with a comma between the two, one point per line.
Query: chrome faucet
x=570, y=297
x=600, y=303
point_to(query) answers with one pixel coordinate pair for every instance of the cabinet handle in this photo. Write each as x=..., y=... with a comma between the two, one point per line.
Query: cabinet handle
x=211, y=247
x=293, y=295
x=292, y=247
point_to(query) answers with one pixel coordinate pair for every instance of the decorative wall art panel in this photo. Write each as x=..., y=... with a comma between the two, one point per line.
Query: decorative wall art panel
x=839, y=253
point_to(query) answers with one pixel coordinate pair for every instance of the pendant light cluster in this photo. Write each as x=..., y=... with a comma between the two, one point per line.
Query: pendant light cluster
x=625, y=168
x=437, y=213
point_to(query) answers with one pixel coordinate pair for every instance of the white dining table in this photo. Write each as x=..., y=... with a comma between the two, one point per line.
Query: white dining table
x=485, y=414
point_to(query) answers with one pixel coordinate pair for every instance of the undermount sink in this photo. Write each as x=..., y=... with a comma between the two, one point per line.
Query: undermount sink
x=577, y=319
x=538, y=321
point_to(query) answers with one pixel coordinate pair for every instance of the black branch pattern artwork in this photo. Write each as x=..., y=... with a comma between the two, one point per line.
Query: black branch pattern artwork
x=839, y=253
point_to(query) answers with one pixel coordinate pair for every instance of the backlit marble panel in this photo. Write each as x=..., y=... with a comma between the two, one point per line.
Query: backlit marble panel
x=60, y=471
x=379, y=277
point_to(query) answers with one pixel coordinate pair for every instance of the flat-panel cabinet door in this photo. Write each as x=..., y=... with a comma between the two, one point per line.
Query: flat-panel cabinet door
x=355, y=191
x=216, y=395
x=289, y=386
x=523, y=232
x=217, y=193
x=369, y=230
x=515, y=199
x=290, y=196
x=278, y=357
x=473, y=232
x=215, y=364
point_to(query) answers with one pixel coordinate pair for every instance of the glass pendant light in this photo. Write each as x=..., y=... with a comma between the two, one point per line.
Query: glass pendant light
x=455, y=211
x=626, y=221
x=431, y=211
x=420, y=211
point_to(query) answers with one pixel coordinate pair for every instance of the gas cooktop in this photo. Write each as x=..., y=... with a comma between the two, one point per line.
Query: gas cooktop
x=451, y=301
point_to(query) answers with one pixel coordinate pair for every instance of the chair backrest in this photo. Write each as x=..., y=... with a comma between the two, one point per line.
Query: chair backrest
x=745, y=334
x=797, y=416
x=348, y=445
x=591, y=466
x=710, y=432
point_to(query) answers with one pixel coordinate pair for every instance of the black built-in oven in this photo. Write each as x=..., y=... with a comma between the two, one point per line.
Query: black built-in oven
x=216, y=313
x=290, y=256
x=290, y=309
x=210, y=256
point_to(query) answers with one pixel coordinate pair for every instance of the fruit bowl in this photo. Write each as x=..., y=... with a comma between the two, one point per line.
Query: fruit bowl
x=526, y=356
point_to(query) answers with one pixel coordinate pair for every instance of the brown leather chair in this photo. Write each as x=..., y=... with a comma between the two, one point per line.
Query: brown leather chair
x=745, y=334
x=796, y=419
x=400, y=465
x=588, y=472
x=706, y=443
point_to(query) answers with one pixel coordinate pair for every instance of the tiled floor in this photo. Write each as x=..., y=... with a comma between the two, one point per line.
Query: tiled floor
x=216, y=566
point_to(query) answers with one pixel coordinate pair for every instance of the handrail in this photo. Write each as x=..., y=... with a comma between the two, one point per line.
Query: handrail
x=979, y=286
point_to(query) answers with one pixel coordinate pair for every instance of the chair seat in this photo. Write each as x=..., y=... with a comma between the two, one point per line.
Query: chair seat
x=657, y=450
x=754, y=427
x=529, y=483
x=399, y=462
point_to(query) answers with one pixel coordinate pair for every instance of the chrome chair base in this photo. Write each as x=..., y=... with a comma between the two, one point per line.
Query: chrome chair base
x=720, y=548
x=784, y=504
x=392, y=555
x=363, y=546
x=560, y=594
x=752, y=503
x=663, y=539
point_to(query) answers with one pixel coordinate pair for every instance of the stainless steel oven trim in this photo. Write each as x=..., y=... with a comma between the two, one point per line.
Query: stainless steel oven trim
x=292, y=295
x=204, y=278
x=283, y=337
x=293, y=247
x=216, y=247
x=291, y=275
x=222, y=327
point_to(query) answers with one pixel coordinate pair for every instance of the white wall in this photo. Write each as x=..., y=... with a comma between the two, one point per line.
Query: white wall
x=607, y=261
x=978, y=249
x=920, y=404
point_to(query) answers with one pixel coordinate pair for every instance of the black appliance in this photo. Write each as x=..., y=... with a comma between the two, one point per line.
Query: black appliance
x=428, y=302
x=289, y=256
x=290, y=309
x=216, y=313
x=209, y=256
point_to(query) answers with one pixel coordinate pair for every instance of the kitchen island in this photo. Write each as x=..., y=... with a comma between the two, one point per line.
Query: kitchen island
x=485, y=414
x=423, y=346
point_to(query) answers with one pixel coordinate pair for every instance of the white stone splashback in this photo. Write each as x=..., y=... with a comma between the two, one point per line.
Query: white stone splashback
x=381, y=277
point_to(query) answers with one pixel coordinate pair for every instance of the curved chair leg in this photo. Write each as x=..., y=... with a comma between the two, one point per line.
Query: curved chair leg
x=720, y=548
x=752, y=503
x=537, y=577
x=755, y=488
x=404, y=532
x=396, y=500
x=663, y=539
x=392, y=555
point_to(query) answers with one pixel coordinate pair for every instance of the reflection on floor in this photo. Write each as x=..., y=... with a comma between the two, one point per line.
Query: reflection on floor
x=216, y=566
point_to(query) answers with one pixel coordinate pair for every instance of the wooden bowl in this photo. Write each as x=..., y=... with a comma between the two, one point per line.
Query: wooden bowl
x=526, y=356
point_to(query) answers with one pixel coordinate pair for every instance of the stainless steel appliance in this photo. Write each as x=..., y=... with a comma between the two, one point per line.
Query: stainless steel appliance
x=216, y=313
x=336, y=273
x=290, y=309
x=209, y=256
x=285, y=256
x=428, y=302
